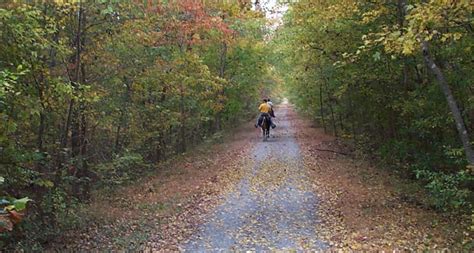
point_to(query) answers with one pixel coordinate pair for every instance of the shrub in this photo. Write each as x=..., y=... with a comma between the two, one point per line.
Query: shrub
x=448, y=191
x=122, y=169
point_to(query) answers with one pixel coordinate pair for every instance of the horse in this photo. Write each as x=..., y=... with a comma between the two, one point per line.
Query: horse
x=266, y=127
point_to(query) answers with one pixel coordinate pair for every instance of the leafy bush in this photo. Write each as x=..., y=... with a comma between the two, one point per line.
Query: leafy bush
x=122, y=169
x=448, y=191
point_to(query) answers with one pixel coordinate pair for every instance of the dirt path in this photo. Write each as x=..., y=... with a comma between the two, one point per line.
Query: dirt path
x=288, y=193
x=272, y=208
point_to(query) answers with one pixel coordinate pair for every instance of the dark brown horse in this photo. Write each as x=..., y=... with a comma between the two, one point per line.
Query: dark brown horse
x=266, y=127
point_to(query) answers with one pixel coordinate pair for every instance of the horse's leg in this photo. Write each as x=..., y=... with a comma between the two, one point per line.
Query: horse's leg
x=269, y=127
x=264, y=128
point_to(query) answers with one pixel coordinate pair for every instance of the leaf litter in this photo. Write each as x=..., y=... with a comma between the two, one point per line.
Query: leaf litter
x=281, y=195
x=361, y=207
x=272, y=208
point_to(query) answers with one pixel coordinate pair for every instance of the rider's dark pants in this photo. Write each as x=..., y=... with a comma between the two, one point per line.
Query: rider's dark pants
x=260, y=119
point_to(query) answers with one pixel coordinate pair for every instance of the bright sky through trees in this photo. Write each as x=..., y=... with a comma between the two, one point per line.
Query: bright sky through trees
x=274, y=11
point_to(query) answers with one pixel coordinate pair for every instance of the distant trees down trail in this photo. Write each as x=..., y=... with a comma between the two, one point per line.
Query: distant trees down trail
x=395, y=77
x=94, y=92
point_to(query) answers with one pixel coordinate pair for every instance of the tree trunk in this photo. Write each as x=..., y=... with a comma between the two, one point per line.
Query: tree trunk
x=461, y=128
x=123, y=122
x=65, y=134
x=321, y=109
x=41, y=132
x=333, y=118
x=334, y=127
x=183, y=121
x=351, y=114
x=75, y=120
x=117, y=139
x=222, y=65
x=42, y=116
x=78, y=119
x=339, y=116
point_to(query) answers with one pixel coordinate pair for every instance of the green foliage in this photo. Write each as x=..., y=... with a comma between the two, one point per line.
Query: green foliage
x=448, y=190
x=122, y=169
x=93, y=93
x=10, y=204
x=357, y=67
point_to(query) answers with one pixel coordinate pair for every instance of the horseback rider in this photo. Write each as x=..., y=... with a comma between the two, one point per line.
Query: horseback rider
x=272, y=112
x=264, y=109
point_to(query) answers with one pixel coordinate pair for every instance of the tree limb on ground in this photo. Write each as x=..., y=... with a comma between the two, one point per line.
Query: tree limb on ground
x=328, y=150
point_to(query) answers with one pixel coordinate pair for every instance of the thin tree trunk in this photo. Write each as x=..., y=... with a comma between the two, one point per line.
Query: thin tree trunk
x=79, y=121
x=117, y=139
x=461, y=128
x=334, y=127
x=123, y=120
x=74, y=77
x=183, y=121
x=41, y=127
x=341, y=124
x=339, y=116
x=41, y=132
x=222, y=66
x=159, y=147
x=84, y=173
x=321, y=109
x=64, y=139
x=351, y=114
x=75, y=145
x=84, y=169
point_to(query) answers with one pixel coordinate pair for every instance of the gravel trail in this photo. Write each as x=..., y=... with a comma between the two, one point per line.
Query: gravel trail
x=273, y=207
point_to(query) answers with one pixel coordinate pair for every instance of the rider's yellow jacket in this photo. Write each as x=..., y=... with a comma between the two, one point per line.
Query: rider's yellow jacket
x=264, y=107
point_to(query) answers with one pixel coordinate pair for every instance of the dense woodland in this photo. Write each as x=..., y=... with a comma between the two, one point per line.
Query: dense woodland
x=395, y=77
x=93, y=94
